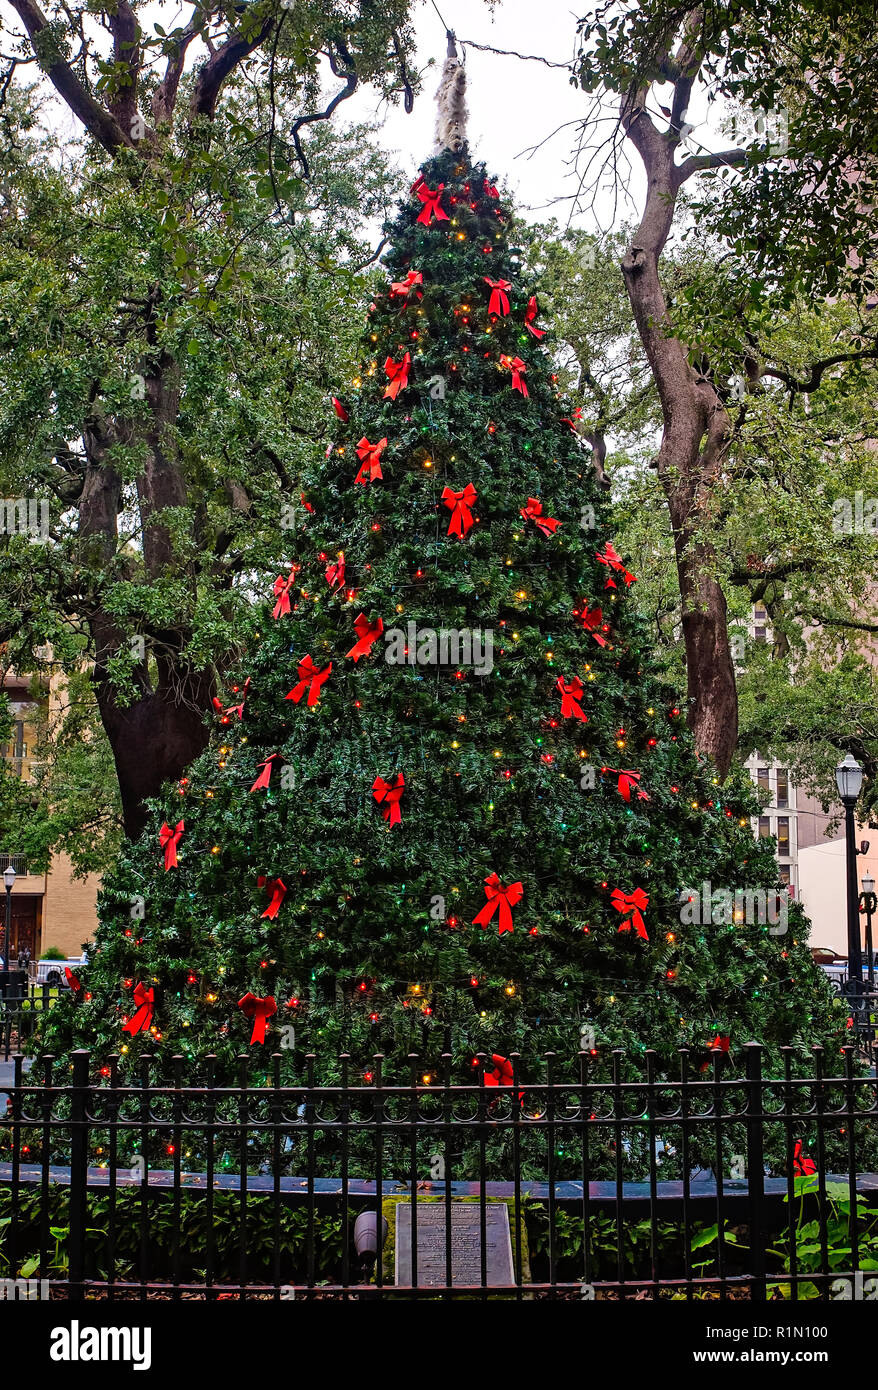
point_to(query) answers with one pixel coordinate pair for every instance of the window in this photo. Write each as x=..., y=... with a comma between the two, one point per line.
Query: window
x=784, y=872
x=783, y=834
x=17, y=748
x=764, y=827
x=762, y=778
x=783, y=787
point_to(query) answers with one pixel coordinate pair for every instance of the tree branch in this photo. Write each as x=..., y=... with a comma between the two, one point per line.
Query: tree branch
x=98, y=122
x=220, y=66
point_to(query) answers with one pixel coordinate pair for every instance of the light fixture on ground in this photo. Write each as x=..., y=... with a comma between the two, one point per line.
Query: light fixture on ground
x=8, y=880
x=849, y=780
x=868, y=905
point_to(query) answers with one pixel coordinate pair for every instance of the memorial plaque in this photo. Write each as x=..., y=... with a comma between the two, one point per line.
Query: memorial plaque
x=466, y=1244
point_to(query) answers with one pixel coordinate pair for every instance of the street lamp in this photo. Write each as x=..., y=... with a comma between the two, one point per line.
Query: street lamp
x=849, y=780
x=868, y=904
x=9, y=880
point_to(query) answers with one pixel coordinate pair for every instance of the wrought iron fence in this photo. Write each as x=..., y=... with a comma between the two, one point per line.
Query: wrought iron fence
x=20, y=1012
x=701, y=1185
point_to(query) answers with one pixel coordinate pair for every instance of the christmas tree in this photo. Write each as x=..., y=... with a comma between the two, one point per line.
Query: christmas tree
x=449, y=807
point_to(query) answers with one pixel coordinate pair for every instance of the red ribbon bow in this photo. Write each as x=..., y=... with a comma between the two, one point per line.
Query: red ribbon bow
x=306, y=505
x=388, y=795
x=534, y=512
x=613, y=560
x=142, y=1019
x=721, y=1040
x=502, y=1075
x=370, y=468
x=281, y=592
x=592, y=619
x=405, y=287
x=367, y=634
x=169, y=840
x=267, y=768
x=571, y=420
x=260, y=1010
x=460, y=504
x=278, y=891
x=634, y=903
x=499, y=898
x=491, y=190
x=72, y=980
x=430, y=198
x=571, y=694
x=339, y=409
x=530, y=314
x=518, y=369
x=399, y=375
x=232, y=709
x=629, y=781
x=802, y=1164
x=310, y=679
x=335, y=571
x=498, y=304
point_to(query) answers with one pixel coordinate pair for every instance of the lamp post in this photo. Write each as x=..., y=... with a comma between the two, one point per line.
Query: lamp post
x=849, y=780
x=8, y=880
x=868, y=904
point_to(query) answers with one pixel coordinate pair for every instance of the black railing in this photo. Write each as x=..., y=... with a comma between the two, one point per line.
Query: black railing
x=20, y=1011
x=705, y=1185
x=18, y=862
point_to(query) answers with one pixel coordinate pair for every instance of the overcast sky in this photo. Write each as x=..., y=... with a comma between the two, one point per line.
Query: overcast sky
x=513, y=104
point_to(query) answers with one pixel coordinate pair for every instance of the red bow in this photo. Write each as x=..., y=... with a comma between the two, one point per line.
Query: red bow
x=628, y=781
x=281, y=592
x=306, y=505
x=399, y=375
x=260, y=1010
x=571, y=420
x=460, y=504
x=367, y=633
x=634, y=903
x=335, y=571
x=388, y=795
x=502, y=1075
x=592, y=618
x=339, y=409
x=518, y=369
x=534, y=512
x=267, y=768
x=502, y=898
x=310, y=679
x=169, y=840
x=721, y=1040
x=571, y=694
x=613, y=560
x=530, y=314
x=142, y=1019
x=802, y=1164
x=370, y=468
x=278, y=890
x=430, y=198
x=232, y=709
x=491, y=190
x=499, y=301
x=405, y=286
x=72, y=980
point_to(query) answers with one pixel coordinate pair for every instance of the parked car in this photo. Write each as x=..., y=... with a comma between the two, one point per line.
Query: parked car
x=52, y=972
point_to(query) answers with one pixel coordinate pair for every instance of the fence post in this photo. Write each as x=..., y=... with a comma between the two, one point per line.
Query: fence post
x=78, y=1173
x=755, y=1169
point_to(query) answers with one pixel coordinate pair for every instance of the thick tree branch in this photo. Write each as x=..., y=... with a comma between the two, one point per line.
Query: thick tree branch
x=221, y=65
x=98, y=122
x=165, y=96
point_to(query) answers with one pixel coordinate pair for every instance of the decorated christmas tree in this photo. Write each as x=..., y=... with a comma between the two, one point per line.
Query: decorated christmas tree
x=449, y=807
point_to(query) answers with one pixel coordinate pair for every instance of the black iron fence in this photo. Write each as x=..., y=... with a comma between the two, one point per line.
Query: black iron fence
x=20, y=1008
x=708, y=1184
